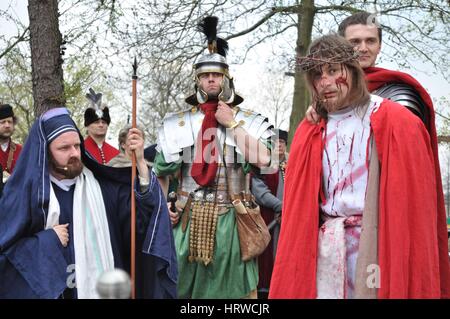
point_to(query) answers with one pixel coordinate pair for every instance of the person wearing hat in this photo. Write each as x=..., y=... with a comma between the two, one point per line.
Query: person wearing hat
x=212, y=146
x=96, y=121
x=268, y=192
x=65, y=219
x=9, y=151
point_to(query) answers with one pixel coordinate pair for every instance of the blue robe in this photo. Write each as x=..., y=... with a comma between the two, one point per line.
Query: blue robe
x=65, y=200
x=33, y=262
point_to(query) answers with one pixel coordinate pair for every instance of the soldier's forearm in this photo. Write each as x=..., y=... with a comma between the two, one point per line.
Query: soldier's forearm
x=255, y=152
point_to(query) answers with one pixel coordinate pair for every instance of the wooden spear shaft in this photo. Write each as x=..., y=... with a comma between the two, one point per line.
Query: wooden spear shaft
x=133, y=178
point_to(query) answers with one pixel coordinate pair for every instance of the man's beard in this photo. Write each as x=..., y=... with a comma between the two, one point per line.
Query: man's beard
x=5, y=135
x=72, y=169
x=334, y=105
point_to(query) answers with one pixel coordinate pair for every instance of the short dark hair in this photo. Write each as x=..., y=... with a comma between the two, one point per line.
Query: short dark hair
x=281, y=134
x=362, y=17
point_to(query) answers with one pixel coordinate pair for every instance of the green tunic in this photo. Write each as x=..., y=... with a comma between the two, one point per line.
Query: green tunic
x=227, y=276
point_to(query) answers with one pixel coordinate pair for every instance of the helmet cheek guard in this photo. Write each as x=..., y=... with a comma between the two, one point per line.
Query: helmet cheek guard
x=201, y=95
x=227, y=94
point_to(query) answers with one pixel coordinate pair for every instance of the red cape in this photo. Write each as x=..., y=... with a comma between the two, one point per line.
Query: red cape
x=109, y=151
x=409, y=261
x=377, y=77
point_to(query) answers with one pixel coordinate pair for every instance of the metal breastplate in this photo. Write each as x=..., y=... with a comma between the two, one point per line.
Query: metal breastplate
x=235, y=177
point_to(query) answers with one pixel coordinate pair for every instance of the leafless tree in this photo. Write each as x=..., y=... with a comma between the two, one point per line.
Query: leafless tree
x=272, y=97
x=9, y=43
x=164, y=33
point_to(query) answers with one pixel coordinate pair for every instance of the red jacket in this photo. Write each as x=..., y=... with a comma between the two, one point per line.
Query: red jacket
x=410, y=231
x=109, y=152
x=4, y=157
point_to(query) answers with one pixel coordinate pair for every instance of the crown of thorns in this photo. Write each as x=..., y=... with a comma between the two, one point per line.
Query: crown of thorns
x=326, y=54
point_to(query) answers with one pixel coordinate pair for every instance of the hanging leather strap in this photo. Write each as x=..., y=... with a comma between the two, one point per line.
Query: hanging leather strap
x=12, y=149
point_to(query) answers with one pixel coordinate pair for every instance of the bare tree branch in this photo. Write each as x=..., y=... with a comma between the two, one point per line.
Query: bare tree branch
x=19, y=39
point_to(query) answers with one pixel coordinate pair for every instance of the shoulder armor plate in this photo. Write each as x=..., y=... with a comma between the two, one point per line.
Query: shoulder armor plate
x=176, y=133
x=407, y=96
x=254, y=123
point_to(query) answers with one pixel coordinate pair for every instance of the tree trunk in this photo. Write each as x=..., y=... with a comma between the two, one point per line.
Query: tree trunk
x=46, y=61
x=301, y=98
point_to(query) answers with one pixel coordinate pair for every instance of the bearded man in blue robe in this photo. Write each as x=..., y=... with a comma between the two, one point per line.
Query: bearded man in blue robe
x=65, y=219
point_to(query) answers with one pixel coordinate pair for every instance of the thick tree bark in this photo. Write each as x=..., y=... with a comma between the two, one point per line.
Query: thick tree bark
x=301, y=98
x=46, y=61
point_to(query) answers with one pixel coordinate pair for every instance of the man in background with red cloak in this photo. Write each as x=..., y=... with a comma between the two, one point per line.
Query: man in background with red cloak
x=96, y=121
x=9, y=151
x=361, y=193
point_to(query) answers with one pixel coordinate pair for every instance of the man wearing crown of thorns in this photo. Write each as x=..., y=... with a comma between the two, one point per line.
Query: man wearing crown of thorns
x=359, y=212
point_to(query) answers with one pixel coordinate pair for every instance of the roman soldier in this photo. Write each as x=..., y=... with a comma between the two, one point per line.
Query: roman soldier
x=213, y=145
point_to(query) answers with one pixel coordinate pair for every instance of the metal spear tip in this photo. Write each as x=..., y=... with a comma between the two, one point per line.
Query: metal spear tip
x=135, y=66
x=114, y=284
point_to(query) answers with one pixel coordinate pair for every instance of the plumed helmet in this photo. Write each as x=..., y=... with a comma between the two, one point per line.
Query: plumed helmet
x=213, y=61
x=96, y=110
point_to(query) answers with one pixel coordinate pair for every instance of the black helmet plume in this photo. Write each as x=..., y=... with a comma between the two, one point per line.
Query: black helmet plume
x=209, y=28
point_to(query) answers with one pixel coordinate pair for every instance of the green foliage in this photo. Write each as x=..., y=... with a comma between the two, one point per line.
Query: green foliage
x=16, y=88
